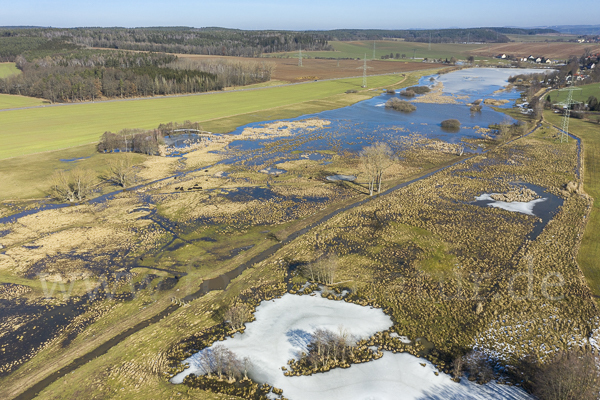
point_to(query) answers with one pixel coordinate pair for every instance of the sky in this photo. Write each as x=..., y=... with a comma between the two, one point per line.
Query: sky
x=300, y=15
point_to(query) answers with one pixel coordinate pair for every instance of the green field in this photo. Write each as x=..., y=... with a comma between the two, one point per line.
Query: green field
x=8, y=69
x=578, y=95
x=382, y=47
x=589, y=132
x=540, y=38
x=14, y=101
x=51, y=128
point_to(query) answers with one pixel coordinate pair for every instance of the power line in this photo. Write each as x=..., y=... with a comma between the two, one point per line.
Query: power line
x=565, y=119
x=364, y=68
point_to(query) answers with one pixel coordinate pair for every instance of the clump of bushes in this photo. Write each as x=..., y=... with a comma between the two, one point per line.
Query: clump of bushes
x=390, y=91
x=328, y=350
x=400, y=105
x=407, y=93
x=245, y=389
x=419, y=89
x=351, y=91
x=451, y=124
x=476, y=108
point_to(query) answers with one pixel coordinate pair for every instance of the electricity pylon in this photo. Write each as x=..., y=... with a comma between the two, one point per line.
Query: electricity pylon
x=300, y=57
x=373, y=50
x=364, y=68
x=564, y=135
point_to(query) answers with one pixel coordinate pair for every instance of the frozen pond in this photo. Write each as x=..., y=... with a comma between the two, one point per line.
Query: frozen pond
x=545, y=207
x=524, y=207
x=283, y=327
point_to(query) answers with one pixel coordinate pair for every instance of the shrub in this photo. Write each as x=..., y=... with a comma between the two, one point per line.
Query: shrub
x=476, y=108
x=400, y=105
x=478, y=366
x=390, y=91
x=420, y=89
x=451, y=124
x=238, y=315
x=569, y=375
x=407, y=93
x=351, y=91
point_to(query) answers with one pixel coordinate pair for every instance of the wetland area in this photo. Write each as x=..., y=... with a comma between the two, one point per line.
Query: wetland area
x=468, y=242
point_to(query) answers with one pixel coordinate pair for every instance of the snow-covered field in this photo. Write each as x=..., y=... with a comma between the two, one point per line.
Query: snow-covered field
x=514, y=206
x=283, y=328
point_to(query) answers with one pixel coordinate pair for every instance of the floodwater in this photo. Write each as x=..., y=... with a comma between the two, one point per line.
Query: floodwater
x=363, y=123
x=352, y=128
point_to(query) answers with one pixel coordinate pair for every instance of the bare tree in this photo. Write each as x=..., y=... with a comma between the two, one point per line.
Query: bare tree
x=206, y=361
x=237, y=315
x=569, y=376
x=121, y=171
x=73, y=185
x=375, y=159
x=326, y=345
x=247, y=366
x=457, y=367
x=322, y=270
x=504, y=131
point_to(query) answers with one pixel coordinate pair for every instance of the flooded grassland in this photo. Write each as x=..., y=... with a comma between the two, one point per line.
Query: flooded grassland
x=444, y=268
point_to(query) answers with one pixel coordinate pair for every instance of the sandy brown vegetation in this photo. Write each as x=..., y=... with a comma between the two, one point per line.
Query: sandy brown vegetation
x=437, y=260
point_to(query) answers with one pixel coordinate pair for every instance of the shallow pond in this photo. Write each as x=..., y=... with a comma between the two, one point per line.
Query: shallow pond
x=283, y=328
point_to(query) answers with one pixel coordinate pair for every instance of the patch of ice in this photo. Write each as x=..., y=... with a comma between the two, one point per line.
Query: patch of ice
x=380, y=105
x=283, y=328
x=335, y=178
x=272, y=171
x=515, y=206
x=403, y=339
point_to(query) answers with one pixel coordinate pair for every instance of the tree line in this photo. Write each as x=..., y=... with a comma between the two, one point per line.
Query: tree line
x=243, y=43
x=207, y=41
x=88, y=75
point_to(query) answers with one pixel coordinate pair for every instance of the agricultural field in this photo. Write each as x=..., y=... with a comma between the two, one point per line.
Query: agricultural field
x=383, y=47
x=582, y=95
x=58, y=127
x=552, y=50
x=8, y=101
x=541, y=38
x=287, y=69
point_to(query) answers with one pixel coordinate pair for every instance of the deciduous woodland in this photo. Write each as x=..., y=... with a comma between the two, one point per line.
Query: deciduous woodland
x=91, y=74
